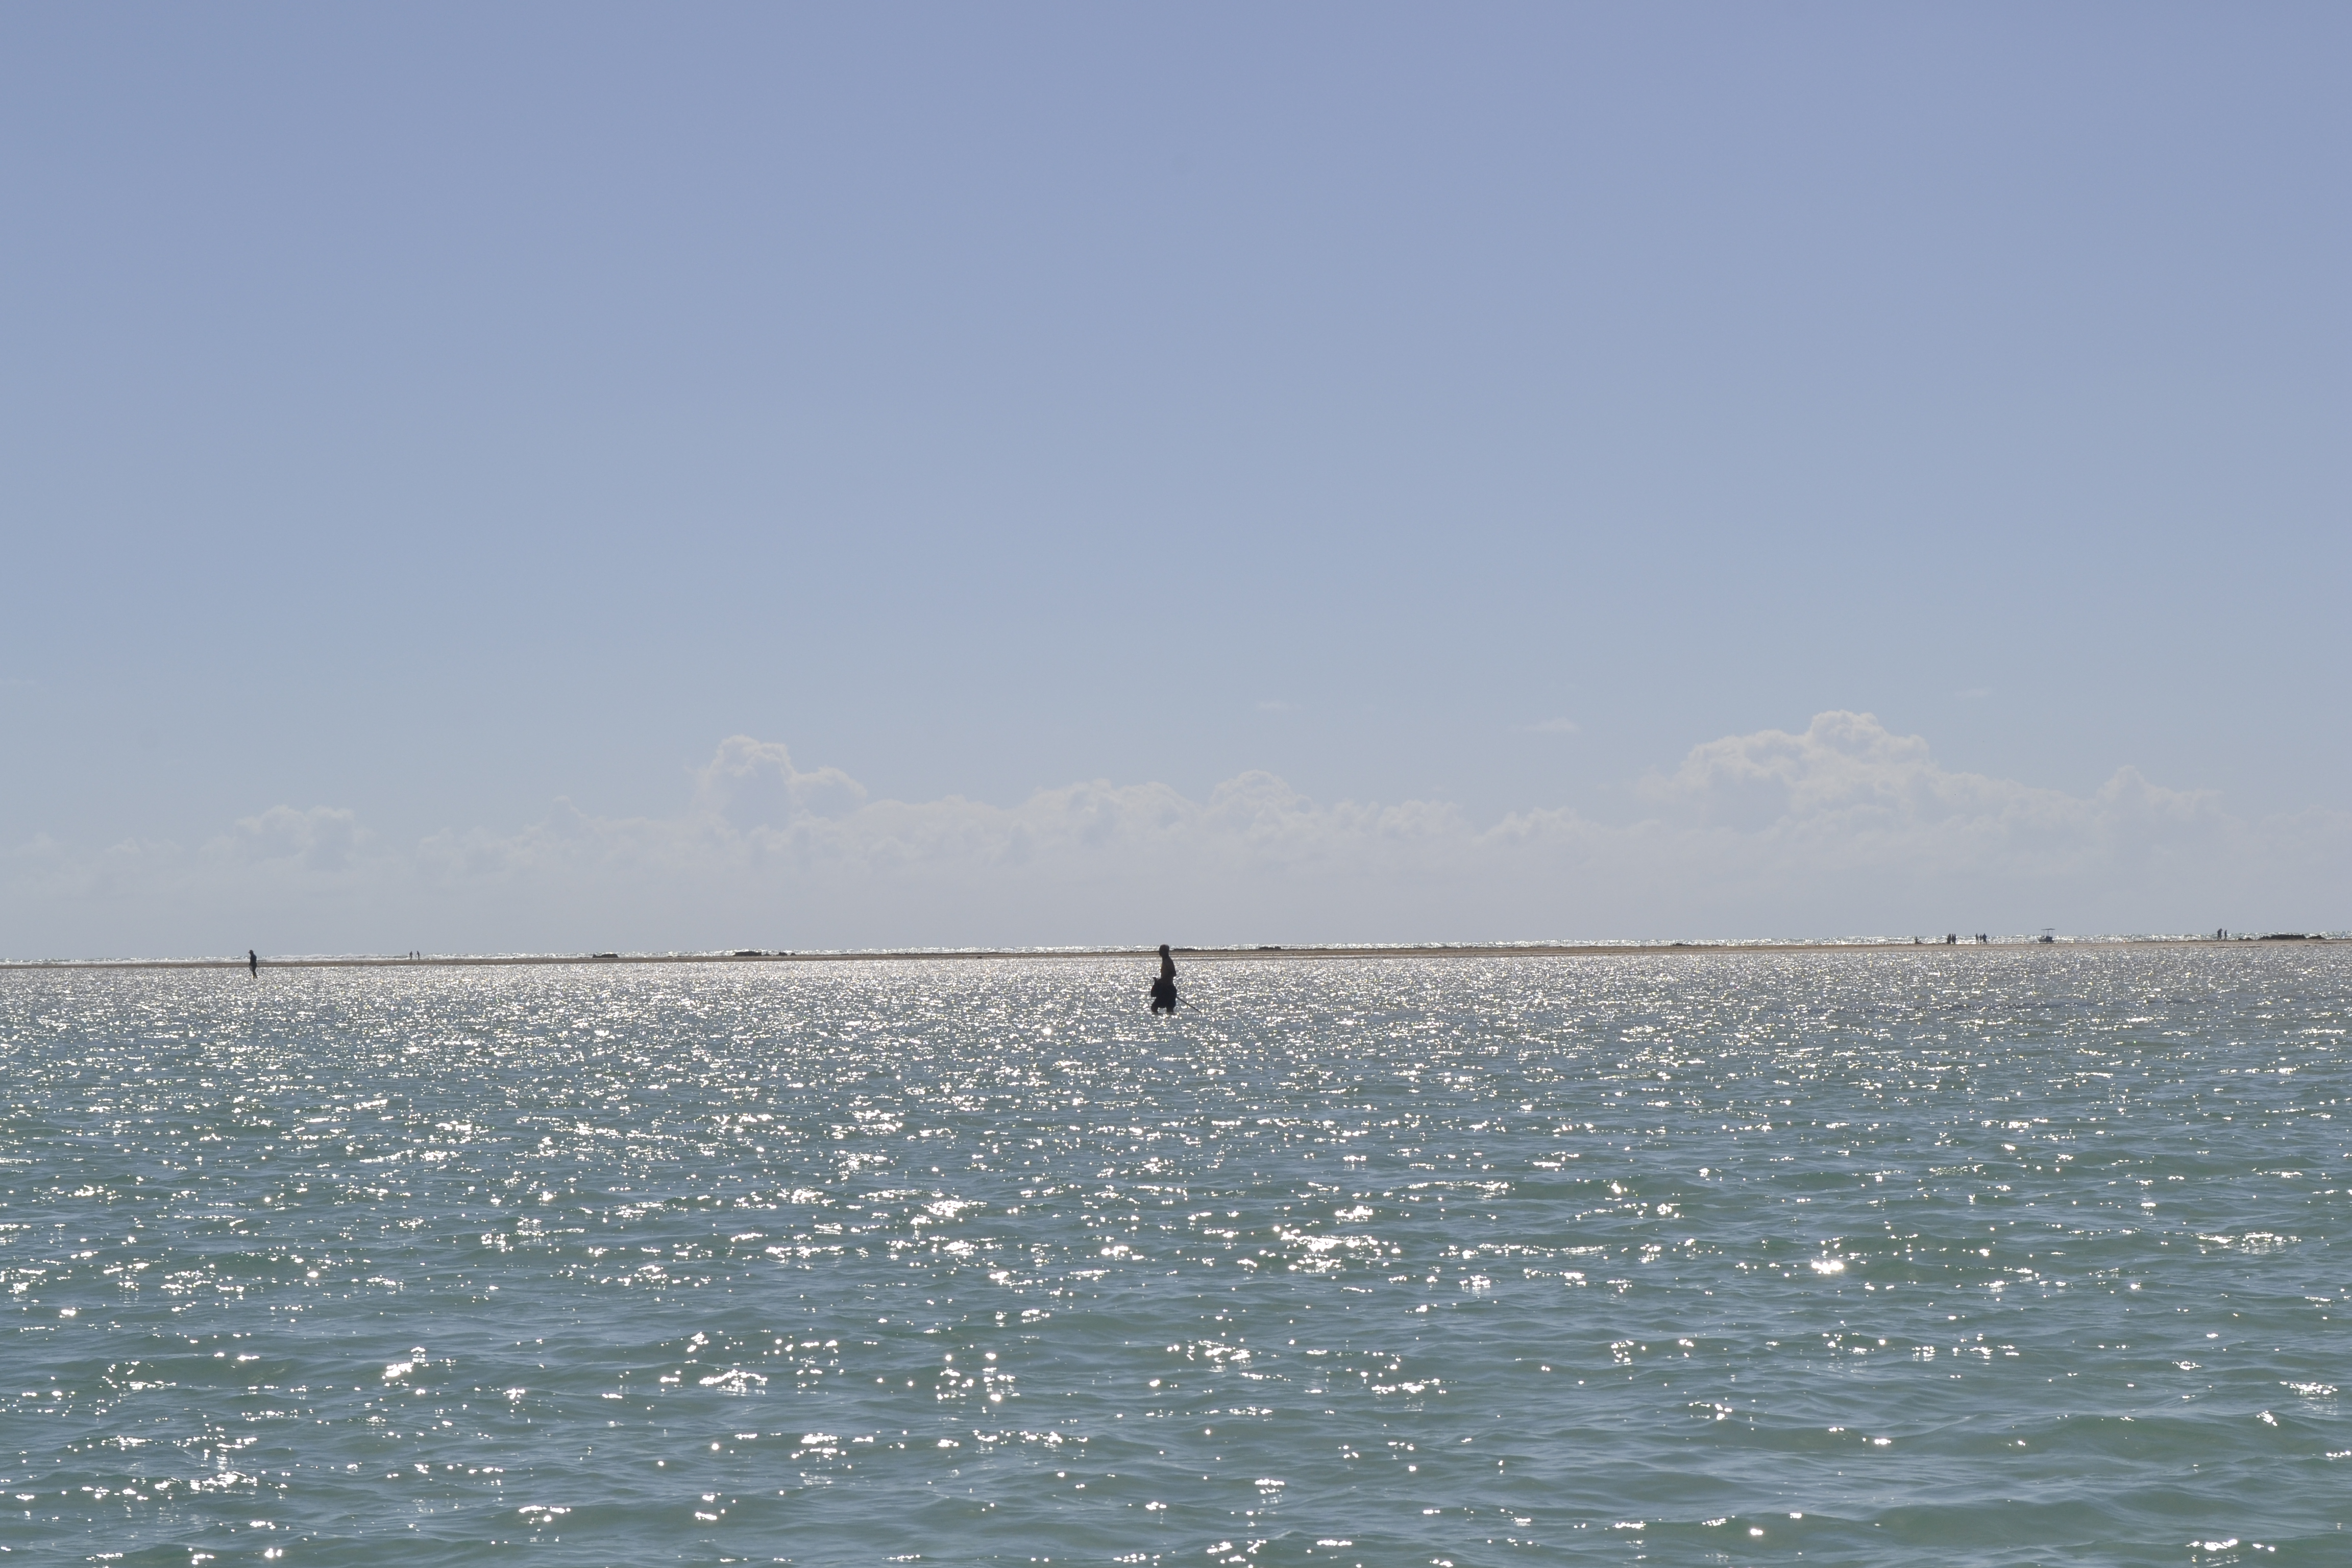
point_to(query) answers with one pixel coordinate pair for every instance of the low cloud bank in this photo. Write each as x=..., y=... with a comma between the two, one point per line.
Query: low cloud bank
x=1841, y=827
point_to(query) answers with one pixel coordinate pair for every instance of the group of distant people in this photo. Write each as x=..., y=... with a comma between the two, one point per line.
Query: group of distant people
x=253, y=961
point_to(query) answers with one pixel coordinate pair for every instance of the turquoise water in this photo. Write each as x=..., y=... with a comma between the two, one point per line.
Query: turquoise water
x=1977, y=1258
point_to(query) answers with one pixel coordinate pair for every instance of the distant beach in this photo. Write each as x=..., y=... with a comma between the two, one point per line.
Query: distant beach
x=1190, y=955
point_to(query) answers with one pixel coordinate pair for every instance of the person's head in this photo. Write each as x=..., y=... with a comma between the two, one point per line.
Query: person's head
x=1163, y=950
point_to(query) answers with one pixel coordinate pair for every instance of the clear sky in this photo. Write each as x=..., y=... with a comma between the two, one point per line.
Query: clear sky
x=431, y=432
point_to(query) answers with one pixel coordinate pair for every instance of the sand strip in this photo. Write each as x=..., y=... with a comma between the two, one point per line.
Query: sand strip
x=1189, y=954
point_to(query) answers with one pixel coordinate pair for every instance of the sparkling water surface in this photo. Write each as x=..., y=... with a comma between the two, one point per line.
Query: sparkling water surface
x=1959, y=1257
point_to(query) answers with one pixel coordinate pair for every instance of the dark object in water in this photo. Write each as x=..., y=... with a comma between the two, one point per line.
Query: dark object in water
x=748, y=952
x=1163, y=988
x=2288, y=936
x=604, y=955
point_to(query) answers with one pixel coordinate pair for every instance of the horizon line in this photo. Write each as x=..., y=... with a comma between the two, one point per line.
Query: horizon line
x=1619, y=947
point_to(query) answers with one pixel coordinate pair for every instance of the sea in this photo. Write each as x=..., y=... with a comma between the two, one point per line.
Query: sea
x=2011, y=1255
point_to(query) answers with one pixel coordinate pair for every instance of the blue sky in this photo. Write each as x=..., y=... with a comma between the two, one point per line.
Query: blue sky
x=423, y=415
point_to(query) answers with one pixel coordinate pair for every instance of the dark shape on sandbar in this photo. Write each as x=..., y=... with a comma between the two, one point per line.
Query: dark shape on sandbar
x=604, y=955
x=252, y=962
x=748, y=952
x=2288, y=936
x=1163, y=990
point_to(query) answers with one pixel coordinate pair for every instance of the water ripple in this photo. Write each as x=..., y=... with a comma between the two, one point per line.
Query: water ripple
x=1970, y=1257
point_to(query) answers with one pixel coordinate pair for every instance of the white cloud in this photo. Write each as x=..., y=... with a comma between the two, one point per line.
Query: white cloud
x=1843, y=827
x=752, y=784
x=320, y=841
x=1847, y=799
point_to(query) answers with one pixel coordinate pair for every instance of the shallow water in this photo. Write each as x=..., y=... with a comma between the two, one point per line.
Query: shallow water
x=1977, y=1258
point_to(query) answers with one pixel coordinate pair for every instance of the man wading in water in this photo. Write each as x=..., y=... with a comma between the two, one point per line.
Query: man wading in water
x=1163, y=990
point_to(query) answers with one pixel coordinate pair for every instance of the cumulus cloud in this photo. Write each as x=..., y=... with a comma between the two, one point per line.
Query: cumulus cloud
x=322, y=840
x=1847, y=806
x=1848, y=791
x=1842, y=826
x=754, y=783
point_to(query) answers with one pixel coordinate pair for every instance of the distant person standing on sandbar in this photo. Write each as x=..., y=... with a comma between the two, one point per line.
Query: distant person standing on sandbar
x=1163, y=990
x=253, y=963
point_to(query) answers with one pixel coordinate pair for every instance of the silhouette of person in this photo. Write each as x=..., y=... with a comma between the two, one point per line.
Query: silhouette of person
x=253, y=963
x=1163, y=990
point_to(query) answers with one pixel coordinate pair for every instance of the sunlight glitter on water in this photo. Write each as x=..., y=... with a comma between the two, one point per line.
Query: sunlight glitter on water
x=1986, y=1257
